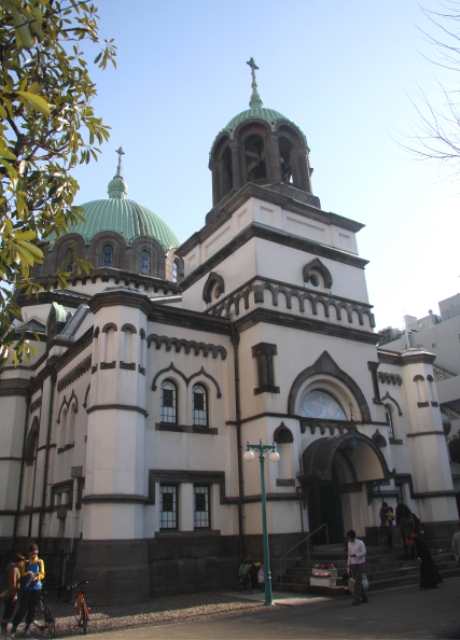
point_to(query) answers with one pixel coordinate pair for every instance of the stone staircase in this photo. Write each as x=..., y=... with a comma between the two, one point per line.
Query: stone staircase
x=385, y=568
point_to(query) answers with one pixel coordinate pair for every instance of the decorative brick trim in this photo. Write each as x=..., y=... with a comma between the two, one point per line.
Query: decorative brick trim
x=130, y=366
x=75, y=373
x=389, y=378
x=108, y=365
x=179, y=344
x=255, y=289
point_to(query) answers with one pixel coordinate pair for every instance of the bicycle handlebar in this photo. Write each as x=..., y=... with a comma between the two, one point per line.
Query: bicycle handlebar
x=77, y=584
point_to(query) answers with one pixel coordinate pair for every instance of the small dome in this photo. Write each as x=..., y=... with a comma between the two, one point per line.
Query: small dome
x=257, y=111
x=269, y=115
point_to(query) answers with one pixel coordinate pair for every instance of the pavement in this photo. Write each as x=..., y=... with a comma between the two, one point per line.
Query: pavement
x=404, y=612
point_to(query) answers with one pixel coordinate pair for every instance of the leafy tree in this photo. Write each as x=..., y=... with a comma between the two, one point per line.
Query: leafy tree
x=437, y=135
x=47, y=127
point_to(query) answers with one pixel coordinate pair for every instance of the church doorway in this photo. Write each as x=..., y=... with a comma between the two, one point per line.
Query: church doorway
x=336, y=471
x=325, y=507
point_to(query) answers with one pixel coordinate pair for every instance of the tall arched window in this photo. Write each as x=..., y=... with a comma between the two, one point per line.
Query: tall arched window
x=145, y=263
x=71, y=420
x=168, y=412
x=175, y=271
x=68, y=261
x=200, y=406
x=320, y=404
x=389, y=418
x=284, y=439
x=256, y=168
x=107, y=255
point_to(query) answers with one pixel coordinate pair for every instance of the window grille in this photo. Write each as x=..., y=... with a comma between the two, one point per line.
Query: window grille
x=168, y=508
x=201, y=519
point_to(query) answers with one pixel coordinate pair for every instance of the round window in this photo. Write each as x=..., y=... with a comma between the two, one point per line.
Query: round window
x=320, y=404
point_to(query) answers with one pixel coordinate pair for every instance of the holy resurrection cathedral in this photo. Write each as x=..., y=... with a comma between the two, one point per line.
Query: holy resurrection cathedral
x=124, y=438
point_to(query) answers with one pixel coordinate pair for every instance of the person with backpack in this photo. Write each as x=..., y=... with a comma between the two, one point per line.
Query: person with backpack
x=32, y=575
x=12, y=585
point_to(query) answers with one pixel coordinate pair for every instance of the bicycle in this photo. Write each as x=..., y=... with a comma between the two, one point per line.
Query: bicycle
x=45, y=620
x=81, y=608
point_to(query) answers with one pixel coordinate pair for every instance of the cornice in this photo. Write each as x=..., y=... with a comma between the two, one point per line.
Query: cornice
x=219, y=216
x=304, y=324
x=256, y=230
x=188, y=319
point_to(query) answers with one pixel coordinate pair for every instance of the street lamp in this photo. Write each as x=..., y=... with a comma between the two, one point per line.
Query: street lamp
x=274, y=457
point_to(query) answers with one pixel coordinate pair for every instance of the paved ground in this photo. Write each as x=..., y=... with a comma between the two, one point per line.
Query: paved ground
x=407, y=612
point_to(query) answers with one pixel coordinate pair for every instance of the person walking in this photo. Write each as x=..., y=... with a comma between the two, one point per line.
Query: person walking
x=32, y=575
x=356, y=562
x=389, y=528
x=383, y=520
x=429, y=574
x=403, y=522
x=13, y=578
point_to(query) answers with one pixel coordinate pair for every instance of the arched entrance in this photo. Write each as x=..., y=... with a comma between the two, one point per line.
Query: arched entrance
x=335, y=469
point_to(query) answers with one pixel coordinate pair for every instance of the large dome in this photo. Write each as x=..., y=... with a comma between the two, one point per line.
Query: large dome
x=123, y=216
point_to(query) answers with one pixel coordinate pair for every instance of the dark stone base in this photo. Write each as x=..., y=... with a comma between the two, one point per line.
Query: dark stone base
x=117, y=570
x=187, y=562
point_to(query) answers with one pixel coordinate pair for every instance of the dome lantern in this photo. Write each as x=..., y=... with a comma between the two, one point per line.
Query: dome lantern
x=259, y=145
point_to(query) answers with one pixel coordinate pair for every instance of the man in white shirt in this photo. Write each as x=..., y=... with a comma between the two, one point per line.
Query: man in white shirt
x=356, y=561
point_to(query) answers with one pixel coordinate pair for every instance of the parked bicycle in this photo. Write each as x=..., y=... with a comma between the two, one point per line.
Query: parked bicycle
x=81, y=608
x=45, y=620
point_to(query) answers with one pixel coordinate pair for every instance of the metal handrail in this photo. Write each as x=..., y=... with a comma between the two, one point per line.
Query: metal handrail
x=307, y=539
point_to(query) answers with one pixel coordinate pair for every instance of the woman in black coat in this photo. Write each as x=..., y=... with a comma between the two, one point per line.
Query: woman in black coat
x=429, y=575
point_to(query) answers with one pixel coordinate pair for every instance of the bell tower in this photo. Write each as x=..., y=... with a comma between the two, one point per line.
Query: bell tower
x=259, y=145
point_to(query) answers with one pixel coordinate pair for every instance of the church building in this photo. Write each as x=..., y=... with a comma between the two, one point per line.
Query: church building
x=123, y=439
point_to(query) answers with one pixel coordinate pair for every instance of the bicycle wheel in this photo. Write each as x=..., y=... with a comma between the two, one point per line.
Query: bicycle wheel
x=77, y=611
x=84, y=617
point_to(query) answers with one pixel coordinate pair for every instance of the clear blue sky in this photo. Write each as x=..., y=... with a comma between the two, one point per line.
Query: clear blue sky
x=341, y=70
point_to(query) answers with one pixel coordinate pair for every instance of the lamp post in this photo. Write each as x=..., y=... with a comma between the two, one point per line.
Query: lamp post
x=274, y=457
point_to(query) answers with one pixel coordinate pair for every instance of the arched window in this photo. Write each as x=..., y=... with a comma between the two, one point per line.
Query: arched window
x=389, y=419
x=107, y=255
x=71, y=420
x=200, y=406
x=68, y=261
x=320, y=404
x=64, y=426
x=168, y=411
x=175, y=271
x=145, y=263
x=256, y=169
x=286, y=160
x=284, y=439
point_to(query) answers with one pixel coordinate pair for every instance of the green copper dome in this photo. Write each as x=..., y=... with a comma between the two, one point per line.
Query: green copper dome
x=257, y=110
x=123, y=216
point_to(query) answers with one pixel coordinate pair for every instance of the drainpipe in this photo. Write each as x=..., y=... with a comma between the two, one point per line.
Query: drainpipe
x=53, y=376
x=235, y=338
x=21, y=476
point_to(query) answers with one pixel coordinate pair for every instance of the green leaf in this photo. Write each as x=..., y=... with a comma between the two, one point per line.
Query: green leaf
x=37, y=102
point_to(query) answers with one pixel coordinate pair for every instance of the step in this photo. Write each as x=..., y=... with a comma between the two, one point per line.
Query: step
x=385, y=568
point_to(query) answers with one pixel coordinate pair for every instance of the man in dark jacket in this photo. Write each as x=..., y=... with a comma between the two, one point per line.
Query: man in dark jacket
x=403, y=522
